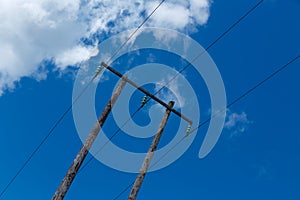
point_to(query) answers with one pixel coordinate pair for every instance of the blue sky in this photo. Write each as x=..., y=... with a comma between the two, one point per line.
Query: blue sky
x=256, y=157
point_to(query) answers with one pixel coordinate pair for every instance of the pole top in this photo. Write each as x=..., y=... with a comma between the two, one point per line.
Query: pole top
x=171, y=103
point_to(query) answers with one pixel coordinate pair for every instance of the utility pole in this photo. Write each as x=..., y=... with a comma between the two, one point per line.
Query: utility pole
x=139, y=180
x=69, y=177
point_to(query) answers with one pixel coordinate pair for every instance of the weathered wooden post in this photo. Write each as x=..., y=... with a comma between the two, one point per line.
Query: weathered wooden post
x=139, y=180
x=69, y=177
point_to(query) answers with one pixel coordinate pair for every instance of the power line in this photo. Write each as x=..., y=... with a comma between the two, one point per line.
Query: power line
x=179, y=72
x=234, y=102
x=249, y=91
x=110, y=138
x=126, y=122
x=123, y=191
x=214, y=42
x=57, y=122
x=84, y=150
x=136, y=30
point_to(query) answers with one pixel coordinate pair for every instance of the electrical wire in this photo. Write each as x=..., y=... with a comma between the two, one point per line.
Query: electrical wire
x=213, y=43
x=57, y=122
x=111, y=58
x=136, y=30
x=242, y=96
x=180, y=71
x=110, y=138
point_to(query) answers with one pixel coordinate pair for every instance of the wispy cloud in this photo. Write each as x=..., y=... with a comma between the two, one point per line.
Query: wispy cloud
x=236, y=122
x=33, y=31
x=171, y=92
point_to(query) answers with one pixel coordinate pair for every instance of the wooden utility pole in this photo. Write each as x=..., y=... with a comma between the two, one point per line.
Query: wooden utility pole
x=139, y=180
x=69, y=177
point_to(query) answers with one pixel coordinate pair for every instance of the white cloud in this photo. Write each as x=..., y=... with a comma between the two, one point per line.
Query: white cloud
x=32, y=31
x=172, y=15
x=178, y=14
x=236, y=122
x=75, y=55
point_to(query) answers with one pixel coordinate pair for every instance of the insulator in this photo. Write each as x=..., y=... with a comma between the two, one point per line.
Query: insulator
x=99, y=70
x=188, y=130
x=144, y=100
